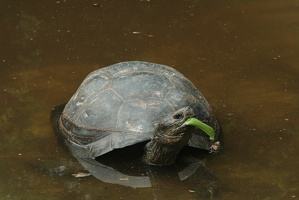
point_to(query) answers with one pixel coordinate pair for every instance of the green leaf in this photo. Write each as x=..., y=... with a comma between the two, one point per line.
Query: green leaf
x=202, y=126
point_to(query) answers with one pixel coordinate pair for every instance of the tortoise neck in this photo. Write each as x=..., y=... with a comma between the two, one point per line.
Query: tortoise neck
x=159, y=154
x=161, y=150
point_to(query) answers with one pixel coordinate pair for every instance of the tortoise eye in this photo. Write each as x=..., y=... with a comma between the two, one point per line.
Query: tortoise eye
x=178, y=116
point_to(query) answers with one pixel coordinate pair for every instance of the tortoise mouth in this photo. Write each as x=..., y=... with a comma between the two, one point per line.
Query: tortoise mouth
x=174, y=126
x=182, y=116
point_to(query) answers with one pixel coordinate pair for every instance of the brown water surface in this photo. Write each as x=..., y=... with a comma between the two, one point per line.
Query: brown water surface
x=242, y=55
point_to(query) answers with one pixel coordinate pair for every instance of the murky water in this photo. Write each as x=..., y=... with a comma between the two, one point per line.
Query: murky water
x=242, y=55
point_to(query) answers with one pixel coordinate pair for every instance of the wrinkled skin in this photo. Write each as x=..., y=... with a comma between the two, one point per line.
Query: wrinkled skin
x=170, y=137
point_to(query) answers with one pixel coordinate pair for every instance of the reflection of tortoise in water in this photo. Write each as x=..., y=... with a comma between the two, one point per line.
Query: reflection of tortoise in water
x=132, y=102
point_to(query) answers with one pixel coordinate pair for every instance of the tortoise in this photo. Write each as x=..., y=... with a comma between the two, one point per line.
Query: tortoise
x=134, y=102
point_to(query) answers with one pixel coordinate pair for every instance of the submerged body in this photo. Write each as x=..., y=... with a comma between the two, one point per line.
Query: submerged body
x=133, y=102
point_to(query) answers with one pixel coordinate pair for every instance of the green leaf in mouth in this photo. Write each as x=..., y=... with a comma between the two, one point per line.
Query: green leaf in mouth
x=202, y=126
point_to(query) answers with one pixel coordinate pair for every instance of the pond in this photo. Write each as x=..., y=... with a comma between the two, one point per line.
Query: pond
x=242, y=55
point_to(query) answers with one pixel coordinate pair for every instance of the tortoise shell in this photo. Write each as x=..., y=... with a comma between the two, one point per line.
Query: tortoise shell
x=120, y=105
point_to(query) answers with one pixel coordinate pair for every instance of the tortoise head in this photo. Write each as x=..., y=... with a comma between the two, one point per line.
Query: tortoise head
x=170, y=137
x=172, y=128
